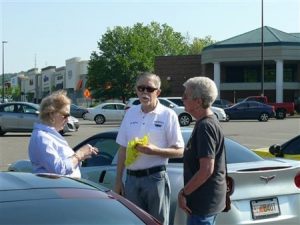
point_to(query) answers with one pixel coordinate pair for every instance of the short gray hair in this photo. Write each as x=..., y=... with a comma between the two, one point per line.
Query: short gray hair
x=152, y=76
x=203, y=88
x=53, y=103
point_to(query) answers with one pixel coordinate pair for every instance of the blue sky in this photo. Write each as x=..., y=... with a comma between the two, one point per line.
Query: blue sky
x=47, y=32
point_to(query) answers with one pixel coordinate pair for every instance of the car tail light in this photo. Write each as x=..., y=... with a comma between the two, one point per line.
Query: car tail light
x=297, y=180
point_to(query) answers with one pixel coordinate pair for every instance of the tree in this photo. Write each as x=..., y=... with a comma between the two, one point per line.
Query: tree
x=199, y=43
x=124, y=52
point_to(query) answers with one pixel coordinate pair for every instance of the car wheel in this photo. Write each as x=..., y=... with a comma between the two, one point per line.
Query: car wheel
x=185, y=119
x=2, y=132
x=83, y=116
x=62, y=132
x=264, y=117
x=99, y=119
x=280, y=114
x=227, y=118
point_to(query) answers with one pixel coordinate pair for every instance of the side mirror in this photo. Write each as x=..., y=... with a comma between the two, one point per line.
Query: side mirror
x=171, y=106
x=276, y=151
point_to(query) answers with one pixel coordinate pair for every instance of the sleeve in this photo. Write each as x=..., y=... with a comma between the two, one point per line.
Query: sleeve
x=174, y=131
x=121, y=137
x=206, y=145
x=50, y=159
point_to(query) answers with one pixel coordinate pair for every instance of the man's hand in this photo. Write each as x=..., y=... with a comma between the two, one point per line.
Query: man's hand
x=149, y=149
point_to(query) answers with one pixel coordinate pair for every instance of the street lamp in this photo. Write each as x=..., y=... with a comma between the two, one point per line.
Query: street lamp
x=3, y=42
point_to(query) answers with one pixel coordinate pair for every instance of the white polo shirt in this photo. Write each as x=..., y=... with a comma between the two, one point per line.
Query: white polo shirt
x=162, y=127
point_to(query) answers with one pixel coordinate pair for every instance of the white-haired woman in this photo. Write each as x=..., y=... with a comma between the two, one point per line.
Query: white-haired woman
x=48, y=151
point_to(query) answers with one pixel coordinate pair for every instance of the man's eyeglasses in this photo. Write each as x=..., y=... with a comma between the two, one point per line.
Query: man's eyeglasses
x=64, y=115
x=147, y=88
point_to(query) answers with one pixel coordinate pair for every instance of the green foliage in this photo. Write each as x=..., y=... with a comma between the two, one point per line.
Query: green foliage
x=124, y=52
x=199, y=43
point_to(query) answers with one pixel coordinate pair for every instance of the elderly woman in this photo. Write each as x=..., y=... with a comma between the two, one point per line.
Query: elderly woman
x=49, y=152
x=204, y=191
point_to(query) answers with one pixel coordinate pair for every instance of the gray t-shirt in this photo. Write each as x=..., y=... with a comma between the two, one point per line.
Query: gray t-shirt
x=207, y=140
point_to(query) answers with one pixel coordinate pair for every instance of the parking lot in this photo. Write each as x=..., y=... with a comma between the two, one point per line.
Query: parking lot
x=252, y=134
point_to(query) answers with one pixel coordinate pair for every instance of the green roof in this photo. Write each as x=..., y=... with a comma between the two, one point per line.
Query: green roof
x=272, y=37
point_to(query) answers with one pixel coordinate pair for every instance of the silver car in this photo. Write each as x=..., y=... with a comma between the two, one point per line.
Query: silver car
x=20, y=117
x=263, y=191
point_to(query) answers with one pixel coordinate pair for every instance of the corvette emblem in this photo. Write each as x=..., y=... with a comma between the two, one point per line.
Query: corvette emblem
x=267, y=179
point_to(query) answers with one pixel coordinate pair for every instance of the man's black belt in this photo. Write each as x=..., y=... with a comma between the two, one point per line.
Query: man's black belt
x=146, y=172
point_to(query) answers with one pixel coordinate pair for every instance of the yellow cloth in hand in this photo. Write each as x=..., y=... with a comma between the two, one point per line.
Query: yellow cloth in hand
x=131, y=153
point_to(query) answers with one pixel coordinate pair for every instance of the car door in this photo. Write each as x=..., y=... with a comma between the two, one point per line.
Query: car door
x=110, y=112
x=9, y=117
x=28, y=116
x=101, y=168
x=254, y=110
x=239, y=111
x=120, y=108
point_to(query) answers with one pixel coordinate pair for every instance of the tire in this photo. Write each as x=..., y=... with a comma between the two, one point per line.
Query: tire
x=2, y=132
x=264, y=117
x=227, y=118
x=184, y=119
x=99, y=119
x=83, y=116
x=280, y=114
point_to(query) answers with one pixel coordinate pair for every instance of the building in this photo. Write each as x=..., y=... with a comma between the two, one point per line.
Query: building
x=235, y=65
x=35, y=85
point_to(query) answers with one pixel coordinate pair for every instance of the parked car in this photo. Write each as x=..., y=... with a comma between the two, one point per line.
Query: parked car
x=57, y=200
x=249, y=110
x=281, y=109
x=77, y=111
x=222, y=103
x=20, y=117
x=278, y=181
x=106, y=112
x=176, y=104
x=288, y=150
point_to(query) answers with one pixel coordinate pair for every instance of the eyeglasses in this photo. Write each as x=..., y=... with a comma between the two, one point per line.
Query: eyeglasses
x=185, y=97
x=64, y=115
x=147, y=88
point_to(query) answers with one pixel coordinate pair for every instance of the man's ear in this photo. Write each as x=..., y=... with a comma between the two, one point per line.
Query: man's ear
x=158, y=92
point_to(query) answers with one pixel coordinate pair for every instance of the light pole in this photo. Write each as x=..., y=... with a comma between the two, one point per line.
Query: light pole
x=262, y=49
x=3, y=42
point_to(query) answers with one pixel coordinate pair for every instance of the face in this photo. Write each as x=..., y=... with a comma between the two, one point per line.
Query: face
x=147, y=92
x=61, y=117
x=191, y=104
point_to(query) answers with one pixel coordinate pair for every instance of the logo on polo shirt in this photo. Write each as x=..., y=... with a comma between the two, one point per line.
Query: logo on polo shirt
x=158, y=123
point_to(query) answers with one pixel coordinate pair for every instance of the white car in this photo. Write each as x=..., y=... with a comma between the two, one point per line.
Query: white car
x=263, y=191
x=176, y=104
x=106, y=112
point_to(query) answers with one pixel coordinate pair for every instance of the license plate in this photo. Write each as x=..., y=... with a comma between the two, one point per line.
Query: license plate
x=265, y=208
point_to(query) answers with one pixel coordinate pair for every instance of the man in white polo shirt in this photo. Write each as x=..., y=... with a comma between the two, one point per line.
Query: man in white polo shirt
x=147, y=183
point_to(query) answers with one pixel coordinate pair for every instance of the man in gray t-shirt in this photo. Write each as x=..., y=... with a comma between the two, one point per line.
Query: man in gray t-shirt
x=204, y=193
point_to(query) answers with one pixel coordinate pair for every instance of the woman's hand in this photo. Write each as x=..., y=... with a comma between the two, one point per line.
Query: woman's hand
x=87, y=151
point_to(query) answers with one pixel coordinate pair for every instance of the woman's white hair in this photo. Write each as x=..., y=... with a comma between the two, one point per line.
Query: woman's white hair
x=203, y=88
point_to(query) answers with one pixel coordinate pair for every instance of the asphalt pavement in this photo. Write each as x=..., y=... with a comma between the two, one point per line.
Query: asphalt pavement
x=253, y=134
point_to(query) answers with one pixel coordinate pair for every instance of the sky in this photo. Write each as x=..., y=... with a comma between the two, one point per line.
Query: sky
x=41, y=33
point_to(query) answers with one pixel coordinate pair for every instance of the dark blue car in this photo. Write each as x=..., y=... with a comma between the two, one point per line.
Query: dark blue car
x=249, y=110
